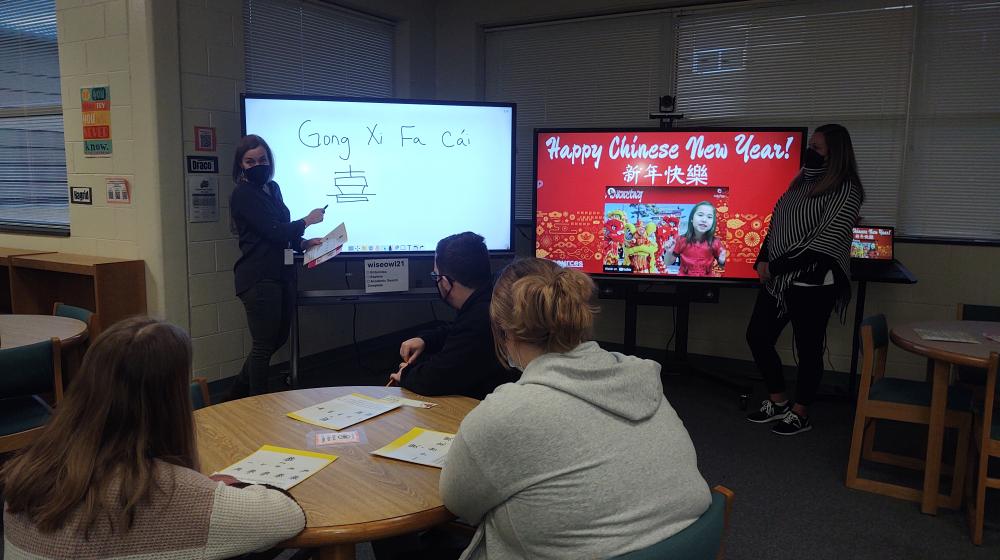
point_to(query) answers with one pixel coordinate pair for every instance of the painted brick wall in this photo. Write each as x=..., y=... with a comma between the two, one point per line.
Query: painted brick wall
x=94, y=51
x=211, y=64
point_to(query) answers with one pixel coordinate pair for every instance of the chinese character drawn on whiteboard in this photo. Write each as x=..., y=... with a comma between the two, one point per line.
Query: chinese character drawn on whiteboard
x=351, y=186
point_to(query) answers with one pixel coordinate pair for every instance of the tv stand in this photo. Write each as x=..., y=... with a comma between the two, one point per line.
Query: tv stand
x=636, y=293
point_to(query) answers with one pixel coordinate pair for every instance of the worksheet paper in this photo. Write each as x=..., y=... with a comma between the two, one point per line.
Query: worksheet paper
x=344, y=411
x=332, y=245
x=278, y=466
x=424, y=447
x=946, y=336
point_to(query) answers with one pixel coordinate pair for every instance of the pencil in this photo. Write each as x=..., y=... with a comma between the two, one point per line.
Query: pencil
x=391, y=382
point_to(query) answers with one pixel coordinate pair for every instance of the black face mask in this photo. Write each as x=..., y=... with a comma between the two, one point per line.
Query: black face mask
x=813, y=160
x=444, y=295
x=258, y=174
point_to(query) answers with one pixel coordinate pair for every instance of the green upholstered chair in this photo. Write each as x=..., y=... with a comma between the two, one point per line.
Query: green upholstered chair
x=80, y=314
x=970, y=376
x=702, y=540
x=902, y=400
x=28, y=372
x=199, y=393
x=986, y=434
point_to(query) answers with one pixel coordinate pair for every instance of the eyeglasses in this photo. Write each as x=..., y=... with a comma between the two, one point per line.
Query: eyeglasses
x=437, y=277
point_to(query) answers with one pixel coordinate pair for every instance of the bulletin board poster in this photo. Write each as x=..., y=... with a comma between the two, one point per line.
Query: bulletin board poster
x=660, y=203
x=95, y=105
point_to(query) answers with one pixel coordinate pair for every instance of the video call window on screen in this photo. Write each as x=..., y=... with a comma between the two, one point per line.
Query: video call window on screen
x=660, y=204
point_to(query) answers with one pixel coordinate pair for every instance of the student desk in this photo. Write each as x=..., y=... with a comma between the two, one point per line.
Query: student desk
x=940, y=357
x=22, y=330
x=357, y=498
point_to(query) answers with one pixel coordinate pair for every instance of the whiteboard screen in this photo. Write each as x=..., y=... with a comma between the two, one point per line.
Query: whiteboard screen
x=400, y=175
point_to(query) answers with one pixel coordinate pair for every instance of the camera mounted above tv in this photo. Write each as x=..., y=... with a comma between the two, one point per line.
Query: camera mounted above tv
x=666, y=115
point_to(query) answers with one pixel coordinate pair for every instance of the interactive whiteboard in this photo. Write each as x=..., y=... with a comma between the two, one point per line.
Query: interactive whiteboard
x=400, y=174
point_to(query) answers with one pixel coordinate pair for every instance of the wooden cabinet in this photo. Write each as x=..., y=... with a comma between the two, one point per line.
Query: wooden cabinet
x=5, y=254
x=113, y=288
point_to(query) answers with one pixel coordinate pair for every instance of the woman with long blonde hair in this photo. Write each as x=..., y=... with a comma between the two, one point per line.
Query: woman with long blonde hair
x=583, y=457
x=114, y=473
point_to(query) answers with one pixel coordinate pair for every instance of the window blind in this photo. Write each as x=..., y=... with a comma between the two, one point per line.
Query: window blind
x=952, y=187
x=33, y=192
x=806, y=63
x=305, y=48
x=595, y=72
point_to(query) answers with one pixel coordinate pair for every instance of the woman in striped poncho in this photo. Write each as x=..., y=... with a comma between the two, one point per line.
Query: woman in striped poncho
x=804, y=269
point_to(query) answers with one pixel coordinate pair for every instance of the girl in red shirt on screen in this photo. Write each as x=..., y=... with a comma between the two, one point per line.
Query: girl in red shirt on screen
x=698, y=247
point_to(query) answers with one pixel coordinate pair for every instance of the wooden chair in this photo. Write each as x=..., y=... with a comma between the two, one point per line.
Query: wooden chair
x=200, y=397
x=28, y=371
x=702, y=540
x=903, y=400
x=987, y=437
x=60, y=309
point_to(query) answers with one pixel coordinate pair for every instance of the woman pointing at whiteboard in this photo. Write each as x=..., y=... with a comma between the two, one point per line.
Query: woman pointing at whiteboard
x=265, y=277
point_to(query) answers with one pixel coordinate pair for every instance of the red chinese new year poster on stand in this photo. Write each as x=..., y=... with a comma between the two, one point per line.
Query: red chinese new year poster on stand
x=663, y=203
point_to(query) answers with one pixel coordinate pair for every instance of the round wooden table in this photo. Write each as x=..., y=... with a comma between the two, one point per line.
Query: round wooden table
x=357, y=498
x=21, y=330
x=940, y=357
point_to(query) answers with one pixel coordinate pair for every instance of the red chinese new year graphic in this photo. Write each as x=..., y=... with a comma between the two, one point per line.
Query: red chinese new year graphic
x=872, y=243
x=660, y=203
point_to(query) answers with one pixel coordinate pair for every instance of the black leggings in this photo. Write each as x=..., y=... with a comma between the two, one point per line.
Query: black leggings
x=268, y=304
x=809, y=309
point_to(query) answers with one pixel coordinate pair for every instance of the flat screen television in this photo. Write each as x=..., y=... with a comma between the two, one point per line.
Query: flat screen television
x=401, y=174
x=653, y=204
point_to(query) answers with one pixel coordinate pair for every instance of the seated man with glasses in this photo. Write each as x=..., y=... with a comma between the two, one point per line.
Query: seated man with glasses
x=459, y=358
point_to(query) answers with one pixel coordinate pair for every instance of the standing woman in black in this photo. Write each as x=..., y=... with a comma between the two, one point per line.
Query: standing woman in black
x=264, y=282
x=804, y=269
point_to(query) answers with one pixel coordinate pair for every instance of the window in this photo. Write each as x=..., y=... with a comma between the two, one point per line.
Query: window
x=915, y=81
x=33, y=192
x=305, y=48
x=604, y=71
x=805, y=64
x=951, y=187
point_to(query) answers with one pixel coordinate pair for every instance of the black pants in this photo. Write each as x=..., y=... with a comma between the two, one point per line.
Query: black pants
x=809, y=309
x=268, y=305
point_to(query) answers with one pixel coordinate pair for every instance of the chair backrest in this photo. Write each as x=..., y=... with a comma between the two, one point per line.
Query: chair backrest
x=31, y=369
x=989, y=401
x=879, y=330
x=60, y=309
x=702, y=540
x=968, y=312
x=199, y=393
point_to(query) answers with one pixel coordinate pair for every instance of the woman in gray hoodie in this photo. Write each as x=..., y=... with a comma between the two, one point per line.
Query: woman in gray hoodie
x=583, y=457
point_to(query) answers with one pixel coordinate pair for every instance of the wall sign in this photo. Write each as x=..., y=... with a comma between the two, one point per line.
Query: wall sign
x=202, y=164
x=204, y=139
x=81, y=195
x=119, y=190
x=95, y=106
x=203, y=198
x=387, y=275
